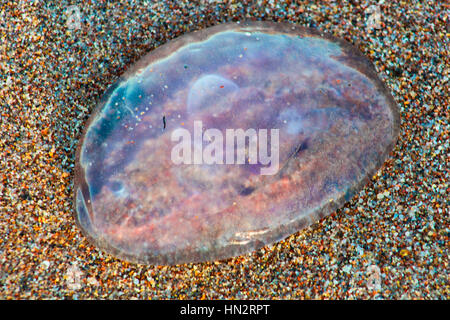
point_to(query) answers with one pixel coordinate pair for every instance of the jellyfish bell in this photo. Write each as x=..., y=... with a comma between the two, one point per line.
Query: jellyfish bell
x=134, y=202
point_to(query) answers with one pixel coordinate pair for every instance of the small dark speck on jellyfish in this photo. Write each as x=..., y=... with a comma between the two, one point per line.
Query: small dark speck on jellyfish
x=245, y=191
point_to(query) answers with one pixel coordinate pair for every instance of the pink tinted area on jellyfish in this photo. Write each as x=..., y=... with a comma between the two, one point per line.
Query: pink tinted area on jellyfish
x=336, y=123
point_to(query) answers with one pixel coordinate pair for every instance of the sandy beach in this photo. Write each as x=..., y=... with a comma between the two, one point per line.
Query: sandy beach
x=57, y=58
